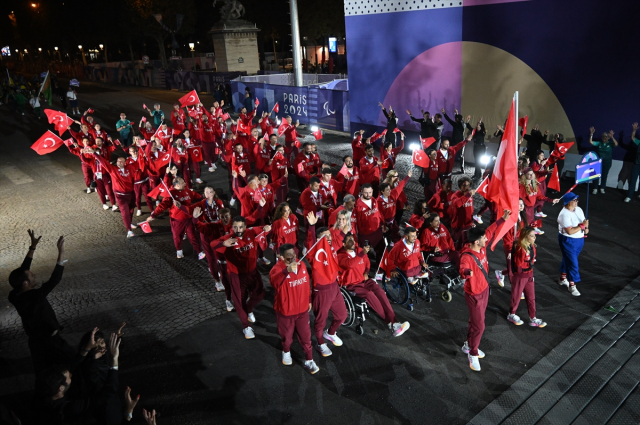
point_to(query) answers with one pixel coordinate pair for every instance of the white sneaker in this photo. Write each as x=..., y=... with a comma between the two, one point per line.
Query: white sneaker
x=539, y=231
x=500, y=278
x=627, y=199
x=324, y=350
x=513, y=318
x=219, y=286
x=179, y=254
x=201, y=255
x=105, y=206
x=211, y=169
x=266, y=261
x=114, y=207
x=138, y=213
x=478, y=219
x=88, y=190
x=198, y=181
x=334, y=339
x=130, y=234
x=248, y=333
x=522, y=296
x=594, y=192
x=564, y=282
x=400, y=328
x=311, y=366
x=133, y=226
x=157, y=203
x=214, y=167
x=232, y=202
x=537, y=323
x=465, y=349
x=230, y=306
x=540, y=214
x=474, y=363
x=574, y=291
x=251, y=318
x=601, y=190
x=286, y=359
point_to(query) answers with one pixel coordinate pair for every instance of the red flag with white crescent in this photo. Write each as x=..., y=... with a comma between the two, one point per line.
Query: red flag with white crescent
x=189, y=99
x=522, y=122
x=482, y=189
x=276, y=108
x=195, y=153
x=375, y=137
x=47, y=143
x=145, y=226
x=317, y=134
x=420, y=158
x=226, y=116
x=162, y=161
x=428, y=141
x=59, y=119
x=322, y=261
x=257, y=102
x=283, y=127
x=554, y=181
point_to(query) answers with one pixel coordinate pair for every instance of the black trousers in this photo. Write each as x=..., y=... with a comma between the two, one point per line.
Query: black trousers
x=478, y=153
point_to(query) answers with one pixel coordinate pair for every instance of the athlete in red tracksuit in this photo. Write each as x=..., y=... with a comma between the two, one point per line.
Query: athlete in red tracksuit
x=531, y=196
x=446, y=156
x=354, y=265
x=432, y=175
x=141, y=183
x=370, y=170
x=290, y=138
x=348, y=203
x=250, y=209
x=268, y=191
x=440, y=203
x=389, y=156
x=262, y=153
x=357, y=147
x=290, y=280
x=406, y=255
x=312, y=201
x=387, y=204
x=178, y=204
x=266, y=125
x=303, y=167
x=462, y=212
x=146, y=130
x=240, y=250
x=85, y=159
x=435, y=239
x=476, y=286
x=101, y=175
x=279, y=166
x=178, y=118
x=371, y=224
x=190, y=143
x=285, y=227
x=180, y=158
x=208, y=132
x=350, y=180
x=122, y=179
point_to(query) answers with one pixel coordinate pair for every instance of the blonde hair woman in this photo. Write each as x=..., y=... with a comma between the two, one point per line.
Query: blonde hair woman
x=530, y=194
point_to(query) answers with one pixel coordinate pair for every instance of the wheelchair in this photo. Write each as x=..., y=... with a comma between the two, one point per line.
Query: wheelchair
x=446, y=274
x=357, y=310
x=400, y=289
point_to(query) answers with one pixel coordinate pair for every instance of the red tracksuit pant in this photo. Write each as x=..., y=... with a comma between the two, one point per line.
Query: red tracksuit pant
x=376, y=298
x=245, y=286
x=103, y=187
x=194, y=166
x=477, y=305
x=87, y=172
x=126, y=203
x=209, y=153
x=178, y=229
x=523, y=282
x=140, y=190
x=298, y=324
x=327, y=298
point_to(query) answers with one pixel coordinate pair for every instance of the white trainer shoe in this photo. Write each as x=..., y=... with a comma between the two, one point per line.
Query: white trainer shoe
x=106, y=197
x=88, y=190
x=133, y=226
x=198, y=180
x=138, y=213
x=114, y=207
x=594, y=192
x=232, y=202
x=474, y=362
x=105, y=206
x=251, y=318
x=264, y=261
x=230, y=306
x=513, y=318
x=465, y=349
x=537, y=323
x=248, y=333
x=601, y=190
x=400, y=328
x=563, y=282
x=324, y=350
x=538, y=231
x=311, y=366
x=201, y=255
x=130, y=234
x=627, y=199
x=540, y=214
x=478, y=219
x=574, y=291
x=286, y=359
x=214, y=167
x=219, y=286
x=334, y=339
x=211, y=169
x=500, y=278
x=522, y=296
x=179, y=254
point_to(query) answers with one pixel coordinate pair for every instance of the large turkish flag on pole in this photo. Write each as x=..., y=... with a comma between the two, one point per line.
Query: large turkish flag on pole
x=503, y=186
x=189, y=99
x=322, y=261
x=47, y=143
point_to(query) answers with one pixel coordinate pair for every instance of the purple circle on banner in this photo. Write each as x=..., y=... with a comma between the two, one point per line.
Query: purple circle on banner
x=431, y=81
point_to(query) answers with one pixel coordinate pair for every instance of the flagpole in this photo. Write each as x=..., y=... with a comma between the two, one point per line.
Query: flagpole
x=165, y=185
x=517, y=139
x=42, y=85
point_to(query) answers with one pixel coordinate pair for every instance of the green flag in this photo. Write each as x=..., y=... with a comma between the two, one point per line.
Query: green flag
x=45, y=88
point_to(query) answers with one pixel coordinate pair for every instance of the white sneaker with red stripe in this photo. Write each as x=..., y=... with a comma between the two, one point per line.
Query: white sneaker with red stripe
x=400, y=328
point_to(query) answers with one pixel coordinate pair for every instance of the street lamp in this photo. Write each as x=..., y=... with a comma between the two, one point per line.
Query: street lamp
x=101, y=46
x=84, y=59
x=191, y=46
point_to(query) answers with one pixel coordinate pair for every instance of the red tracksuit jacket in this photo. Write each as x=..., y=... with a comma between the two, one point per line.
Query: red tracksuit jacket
x=369, y=170
x=461, y=210
x=350, y=182
x=334, y=217
x=122, y=179
x=432, y=238
x=477, y=283
x=293, y=291
x=353, y=268
x=388, y=207
x=407, y=260
x=311, y=203
x=369, y=219
x=283, y=231
x=530, y=199
x=185, y=196
x=445, y=165
x=524, y=259
x=243, y=257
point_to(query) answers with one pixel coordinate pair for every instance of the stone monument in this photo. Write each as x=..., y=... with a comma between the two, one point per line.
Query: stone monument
x=235, y=40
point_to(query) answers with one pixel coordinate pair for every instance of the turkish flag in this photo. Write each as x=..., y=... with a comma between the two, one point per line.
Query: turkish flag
x=262, y=240
x=322, y=261
x=235, y=167
x=47, y=143
x=426, y=142
x=522, y=122
x=420, y=158
x=176, y=132
x=162, y=161
x=296, y=143
x=385, y=265
x=145, y=226
x=257, y=195
x=144, y=106
x=144, y=119
x=257, y=102
x=536, y=224
x=300, y=168
x=554, y=181
x=283, y=127
x=276, y=108
x=189, y=99
x=243, y=128
x=482, y=189
x=375, y=137
x=278, y=155
x=196, y=154
x=59, y=119
x=503, y=186
x=562, y=148
x=226, y=116
x=70, y=141
x=317, y=134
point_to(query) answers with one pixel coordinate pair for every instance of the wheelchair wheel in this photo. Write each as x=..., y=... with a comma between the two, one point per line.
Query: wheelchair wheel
x=446, y=296
x=397, y=288
x=359, y=330
x=351, y=309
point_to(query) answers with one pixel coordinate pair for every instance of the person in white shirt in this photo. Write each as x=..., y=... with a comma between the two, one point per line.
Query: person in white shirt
x=572, y=228
x=73, y=101
x=35, y=104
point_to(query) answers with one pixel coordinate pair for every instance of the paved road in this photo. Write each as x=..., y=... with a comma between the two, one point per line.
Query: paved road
x=187, y=357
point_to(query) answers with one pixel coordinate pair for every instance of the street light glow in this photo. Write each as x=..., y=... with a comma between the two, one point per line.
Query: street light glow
x=101, y=46
x=414, y=146
x=39, y=49
x=56, y=49
x=80, y=46
x=33, y=5
x=191, y=46
x=484, y=160
x=314, y=128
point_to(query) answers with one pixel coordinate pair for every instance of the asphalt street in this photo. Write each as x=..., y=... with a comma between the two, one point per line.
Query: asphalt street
x=186, y=356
